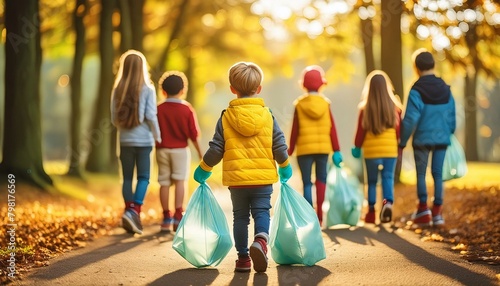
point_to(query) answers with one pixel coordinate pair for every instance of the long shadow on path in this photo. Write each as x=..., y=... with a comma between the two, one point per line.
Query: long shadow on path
x=301, y=275
x=120, y=243
x=412, y=252
x=190, y=276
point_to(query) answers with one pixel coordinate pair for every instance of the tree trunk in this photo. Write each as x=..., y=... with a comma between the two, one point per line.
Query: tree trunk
x=470, y=117
x=190, y=76
x=471, y=39
x=101, y=158
x=390, y=32
x=491, y=119
x=367, y=37
x=391, y=55
x=76, y=90
x=176, y=30
x=125, y=26
x=136, y=17
x=366, y=26
x=22, y=148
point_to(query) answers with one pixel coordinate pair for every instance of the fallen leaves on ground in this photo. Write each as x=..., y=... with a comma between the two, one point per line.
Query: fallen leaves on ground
x=47, y=225
x=44, y=230
x=472, y=221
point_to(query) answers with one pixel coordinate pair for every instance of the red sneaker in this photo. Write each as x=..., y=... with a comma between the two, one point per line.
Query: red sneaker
x=177, y=219
x=243, y=264
x=166, y=224
x=422, y=217
x=437, y=217
x=258, y=251
x=370, y=216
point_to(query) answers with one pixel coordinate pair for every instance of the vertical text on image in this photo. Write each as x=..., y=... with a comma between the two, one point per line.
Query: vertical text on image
x=11, y=226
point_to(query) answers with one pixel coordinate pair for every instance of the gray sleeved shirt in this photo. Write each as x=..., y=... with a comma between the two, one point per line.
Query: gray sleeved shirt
x=148, y=131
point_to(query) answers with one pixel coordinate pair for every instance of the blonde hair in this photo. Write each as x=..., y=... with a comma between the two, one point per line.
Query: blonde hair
x=131, y=77
x=379, y=103
x=245, y=77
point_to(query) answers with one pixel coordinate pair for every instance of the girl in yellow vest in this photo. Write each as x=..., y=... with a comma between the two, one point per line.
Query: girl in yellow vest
x=378, y=135
x=314, y=135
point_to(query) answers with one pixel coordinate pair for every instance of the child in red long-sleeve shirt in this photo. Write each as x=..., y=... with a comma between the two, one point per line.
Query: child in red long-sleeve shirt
x=178, y=125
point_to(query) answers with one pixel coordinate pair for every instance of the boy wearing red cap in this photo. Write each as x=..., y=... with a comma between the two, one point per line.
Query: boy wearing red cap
x=314, y=135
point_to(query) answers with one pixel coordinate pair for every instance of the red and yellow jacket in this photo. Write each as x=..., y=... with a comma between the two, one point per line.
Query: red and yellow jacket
x=383, y=145
x=313, y=128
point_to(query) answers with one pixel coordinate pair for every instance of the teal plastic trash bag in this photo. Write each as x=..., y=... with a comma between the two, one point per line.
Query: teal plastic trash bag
x=295, y=234
x=455, y=164
x=345, y=198
x=203, y=237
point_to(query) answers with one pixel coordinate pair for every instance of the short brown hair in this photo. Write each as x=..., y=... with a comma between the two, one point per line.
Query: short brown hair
x=245, y=77
x=423, y=60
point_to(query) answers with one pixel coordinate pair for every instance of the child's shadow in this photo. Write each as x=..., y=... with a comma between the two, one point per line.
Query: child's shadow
x=189, y=276
x=301, y=274
x=412, y=252
x=165, y=236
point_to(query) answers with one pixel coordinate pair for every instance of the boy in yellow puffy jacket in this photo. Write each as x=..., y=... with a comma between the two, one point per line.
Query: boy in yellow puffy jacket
x=249, y=142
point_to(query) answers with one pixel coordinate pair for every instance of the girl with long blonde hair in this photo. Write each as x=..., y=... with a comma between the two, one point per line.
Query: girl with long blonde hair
x=133, y=112
x=377, y=135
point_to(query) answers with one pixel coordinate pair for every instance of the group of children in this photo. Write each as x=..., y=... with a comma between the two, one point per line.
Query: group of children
x=249, y=142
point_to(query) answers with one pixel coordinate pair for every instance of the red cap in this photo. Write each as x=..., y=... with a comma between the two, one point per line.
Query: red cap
x=313, y=78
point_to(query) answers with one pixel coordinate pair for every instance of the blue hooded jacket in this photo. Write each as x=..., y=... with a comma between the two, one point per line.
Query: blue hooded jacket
x=430, y=114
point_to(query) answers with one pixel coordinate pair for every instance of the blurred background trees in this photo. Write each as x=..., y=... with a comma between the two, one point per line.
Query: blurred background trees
x=64, y=113
x=22, y=152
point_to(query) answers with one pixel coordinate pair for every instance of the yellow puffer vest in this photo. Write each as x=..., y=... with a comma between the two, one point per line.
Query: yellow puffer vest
x=313, y=112
x=384, y=145
x=248, y=135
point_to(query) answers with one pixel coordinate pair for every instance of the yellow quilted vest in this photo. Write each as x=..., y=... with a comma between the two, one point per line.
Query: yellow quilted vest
x=313, y=112
x=384, y=145
x=248, y=135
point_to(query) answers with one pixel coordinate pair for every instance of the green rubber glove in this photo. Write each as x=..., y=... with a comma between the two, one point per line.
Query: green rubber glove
x=337, y=158
x=356, y=152
x=201, y=175
x=285, y=173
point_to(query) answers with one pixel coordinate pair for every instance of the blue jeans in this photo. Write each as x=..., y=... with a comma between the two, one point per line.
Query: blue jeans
x=257, y=201
x=387, y=175
x=305, y=165
x=421, y=155
x=132, y=157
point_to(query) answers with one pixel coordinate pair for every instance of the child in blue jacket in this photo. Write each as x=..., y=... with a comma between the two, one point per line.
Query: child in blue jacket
x=430, y=118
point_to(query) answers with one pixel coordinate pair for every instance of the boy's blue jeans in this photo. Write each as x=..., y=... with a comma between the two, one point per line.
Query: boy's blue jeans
x=305, y=164
x=130, y=158
x=421, y=155
x=246, y=201
x=387, y=178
